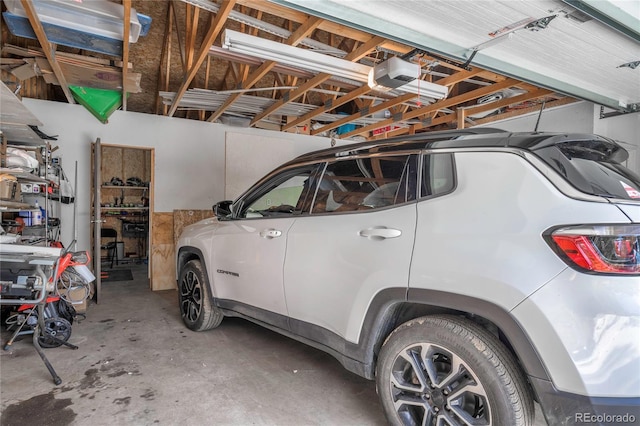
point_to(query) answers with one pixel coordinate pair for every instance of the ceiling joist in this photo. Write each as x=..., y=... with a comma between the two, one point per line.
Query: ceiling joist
x=214, y=30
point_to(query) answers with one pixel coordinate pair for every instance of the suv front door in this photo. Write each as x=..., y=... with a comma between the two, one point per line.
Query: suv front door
x=250, y=247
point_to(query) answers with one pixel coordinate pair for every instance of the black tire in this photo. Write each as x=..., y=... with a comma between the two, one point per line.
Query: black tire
x=448, y=370
x=194, y=295
x=58, y=328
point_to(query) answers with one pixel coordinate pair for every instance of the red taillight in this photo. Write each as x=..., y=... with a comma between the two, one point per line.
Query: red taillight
x=604, y=249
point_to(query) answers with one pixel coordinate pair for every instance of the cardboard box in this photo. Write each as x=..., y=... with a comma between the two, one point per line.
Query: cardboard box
x=77, y=298
x=9, y=190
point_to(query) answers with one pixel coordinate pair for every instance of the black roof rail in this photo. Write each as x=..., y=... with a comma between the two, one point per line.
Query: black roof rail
x=445, y=134
x=456, y=139
x=425, y=136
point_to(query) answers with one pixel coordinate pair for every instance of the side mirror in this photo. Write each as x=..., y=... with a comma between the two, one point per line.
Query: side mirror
x=222, y=209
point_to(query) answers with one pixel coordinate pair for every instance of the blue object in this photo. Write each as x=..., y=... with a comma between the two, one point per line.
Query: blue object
x=145, y=23
x=345, y=128
x=21, y=27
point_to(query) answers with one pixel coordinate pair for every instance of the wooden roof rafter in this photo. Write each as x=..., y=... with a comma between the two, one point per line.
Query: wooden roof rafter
x=235, y=72
x=214, y=29
x=181, y=45
x=165, y=59
x=192, y=14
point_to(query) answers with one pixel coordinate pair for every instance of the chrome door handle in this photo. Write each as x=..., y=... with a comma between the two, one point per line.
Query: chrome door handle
x=270, y=233
x=380, y=233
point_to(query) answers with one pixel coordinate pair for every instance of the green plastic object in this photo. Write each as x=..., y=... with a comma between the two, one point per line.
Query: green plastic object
x=100, y=102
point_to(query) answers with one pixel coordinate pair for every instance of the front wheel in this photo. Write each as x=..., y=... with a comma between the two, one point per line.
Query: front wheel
x=196, y=304
x=446, y=370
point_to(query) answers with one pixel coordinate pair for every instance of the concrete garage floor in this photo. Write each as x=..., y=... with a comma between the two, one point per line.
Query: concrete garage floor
x=138, y=365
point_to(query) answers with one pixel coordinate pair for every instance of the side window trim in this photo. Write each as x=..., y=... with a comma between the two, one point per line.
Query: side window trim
x=454, y=174
x=319, y=175
x=312, y=190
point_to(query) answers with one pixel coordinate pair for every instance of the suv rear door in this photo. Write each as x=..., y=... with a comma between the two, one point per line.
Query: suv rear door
x=357, y=241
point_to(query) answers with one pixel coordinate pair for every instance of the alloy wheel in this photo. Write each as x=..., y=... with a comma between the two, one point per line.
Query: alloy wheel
x=191, y=296
x=432, y=386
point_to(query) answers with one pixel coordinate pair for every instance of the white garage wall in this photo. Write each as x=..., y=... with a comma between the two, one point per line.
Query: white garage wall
x=250, y=156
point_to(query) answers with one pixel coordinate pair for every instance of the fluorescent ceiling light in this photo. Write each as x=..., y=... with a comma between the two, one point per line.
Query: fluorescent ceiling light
x=309, y=60
x=303, y=58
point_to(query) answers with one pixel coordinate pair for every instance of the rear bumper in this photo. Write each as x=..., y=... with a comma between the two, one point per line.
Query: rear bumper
x=563, y=408
x=585, y=328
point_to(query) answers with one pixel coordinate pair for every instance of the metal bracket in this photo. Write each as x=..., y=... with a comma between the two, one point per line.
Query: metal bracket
x=631, y=108
x=540, y=24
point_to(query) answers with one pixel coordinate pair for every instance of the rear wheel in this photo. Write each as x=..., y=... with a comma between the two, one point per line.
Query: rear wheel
x=445, y=370
x=196, y=306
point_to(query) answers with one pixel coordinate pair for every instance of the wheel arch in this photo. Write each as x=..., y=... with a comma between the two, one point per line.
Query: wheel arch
x=195, y=293
x=187, y=254
x=390, y=309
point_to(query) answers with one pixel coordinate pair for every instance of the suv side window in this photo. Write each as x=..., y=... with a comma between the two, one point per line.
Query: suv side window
x=366, y=183
x=438, y=175
x=285, y=194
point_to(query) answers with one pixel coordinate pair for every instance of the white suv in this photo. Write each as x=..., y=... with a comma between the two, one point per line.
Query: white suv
x=469, y=272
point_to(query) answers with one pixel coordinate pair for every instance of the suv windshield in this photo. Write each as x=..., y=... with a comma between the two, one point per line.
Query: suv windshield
x=594, y=168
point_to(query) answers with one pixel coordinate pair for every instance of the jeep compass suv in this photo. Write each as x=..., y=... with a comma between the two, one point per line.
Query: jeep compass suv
x=468, y=272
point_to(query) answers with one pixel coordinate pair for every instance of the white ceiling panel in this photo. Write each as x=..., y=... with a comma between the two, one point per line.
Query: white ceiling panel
x=571, y=55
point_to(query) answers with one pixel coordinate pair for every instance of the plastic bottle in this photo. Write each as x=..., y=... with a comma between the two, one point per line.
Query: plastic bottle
x=43, y=212
x=38, y=215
